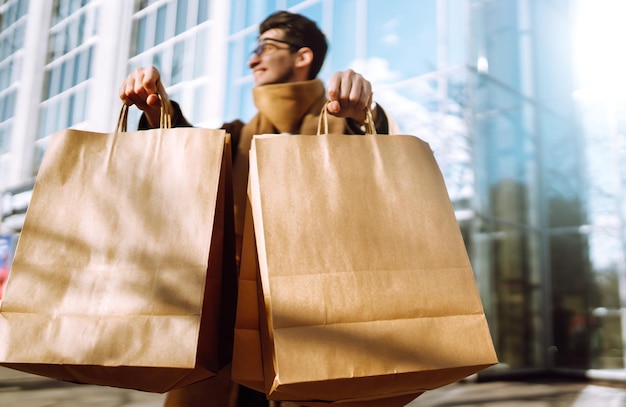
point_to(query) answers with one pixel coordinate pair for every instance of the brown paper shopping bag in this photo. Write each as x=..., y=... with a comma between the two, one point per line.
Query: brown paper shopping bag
x=125, y=261
x=247, y=354
x=368, y=292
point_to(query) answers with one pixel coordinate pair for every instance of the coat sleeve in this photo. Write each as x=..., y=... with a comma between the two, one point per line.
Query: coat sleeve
x=178, y=119
x=234, y=129
x=381, y=121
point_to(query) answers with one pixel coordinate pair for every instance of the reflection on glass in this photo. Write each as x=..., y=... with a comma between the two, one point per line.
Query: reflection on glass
x=572, y=291
x=511, y=287
x=409, y=38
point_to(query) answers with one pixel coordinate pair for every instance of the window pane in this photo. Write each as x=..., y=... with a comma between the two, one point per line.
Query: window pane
x=9, y=107
x=40, y=148
x=156, y=61
x=5, y=76
x=203, y=11
x=18, y=37
x=68, y=73
x=409, y=39
x=572, y=319
x=140, y=35
x=10, y=14
x=5, y=138
x=181, y=16
x=70, y=110
x=247, y=109
x=82, y=35
x=199, y=61
x=74, y=36
x=256, y=11
x=62, y=69
x=199, y=108
x=22, y=8
x=77, y=107
x=6, y=46
x=82, y=105
x=89, y=62
x=178, y=62
x=63, y=102
x=314, y=12
x=141, y=4
x=43, y=116
x=159, y=36
x=345, y=32
x=76, y=79
x=76, y=4
x=54, y=81
x=231, y=111
x=54, y=112
x=511, y=291
x=237, y=16
x=456, y=32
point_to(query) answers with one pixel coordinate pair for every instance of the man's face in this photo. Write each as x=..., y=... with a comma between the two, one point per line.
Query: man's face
x=275, y=64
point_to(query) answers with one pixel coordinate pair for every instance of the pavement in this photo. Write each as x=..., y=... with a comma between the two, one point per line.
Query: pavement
x=540, y=392
x=24, y=390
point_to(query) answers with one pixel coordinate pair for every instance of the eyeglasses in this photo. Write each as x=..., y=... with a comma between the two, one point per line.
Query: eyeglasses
x=265, y=47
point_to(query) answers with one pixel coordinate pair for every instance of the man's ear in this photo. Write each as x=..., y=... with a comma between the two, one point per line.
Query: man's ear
x=304, y=57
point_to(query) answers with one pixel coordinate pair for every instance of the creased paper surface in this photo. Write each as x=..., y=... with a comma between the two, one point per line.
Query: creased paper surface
x=121, y=245
x=368, y=290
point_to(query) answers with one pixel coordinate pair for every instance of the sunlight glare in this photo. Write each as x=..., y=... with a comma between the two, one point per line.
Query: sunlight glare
x=598, y=51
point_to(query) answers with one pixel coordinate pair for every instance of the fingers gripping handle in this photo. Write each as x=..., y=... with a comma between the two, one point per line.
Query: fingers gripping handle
x=370, y=128
x=166, y=112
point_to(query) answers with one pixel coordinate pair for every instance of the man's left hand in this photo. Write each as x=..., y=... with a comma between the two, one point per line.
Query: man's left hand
x=349, y=94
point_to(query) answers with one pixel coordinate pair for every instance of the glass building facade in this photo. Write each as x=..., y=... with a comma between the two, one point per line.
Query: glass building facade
x=68, y=65
x=519, y=99
x=12, y=32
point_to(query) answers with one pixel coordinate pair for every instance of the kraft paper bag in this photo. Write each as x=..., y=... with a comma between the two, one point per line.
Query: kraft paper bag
x=368, y=294
x=125, y=266
x=247, y=367
x=247, y=354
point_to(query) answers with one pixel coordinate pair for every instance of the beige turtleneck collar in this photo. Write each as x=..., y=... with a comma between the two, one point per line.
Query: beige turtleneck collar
x=284, y=105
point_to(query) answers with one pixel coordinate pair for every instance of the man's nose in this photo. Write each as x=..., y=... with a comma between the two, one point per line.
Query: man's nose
x=253, y=60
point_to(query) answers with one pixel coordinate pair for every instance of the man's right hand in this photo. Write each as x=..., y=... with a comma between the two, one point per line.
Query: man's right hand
x=140, y=88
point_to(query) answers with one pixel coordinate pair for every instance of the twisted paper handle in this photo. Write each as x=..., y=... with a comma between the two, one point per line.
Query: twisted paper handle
x=370, y=128
x=165, y=121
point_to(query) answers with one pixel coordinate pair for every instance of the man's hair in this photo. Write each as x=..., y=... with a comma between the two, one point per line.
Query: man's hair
x=302, y=32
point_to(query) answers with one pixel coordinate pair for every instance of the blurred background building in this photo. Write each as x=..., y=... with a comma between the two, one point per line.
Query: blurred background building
x=522, y=102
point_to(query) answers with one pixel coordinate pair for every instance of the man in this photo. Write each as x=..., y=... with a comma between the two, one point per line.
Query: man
x=285, y=64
